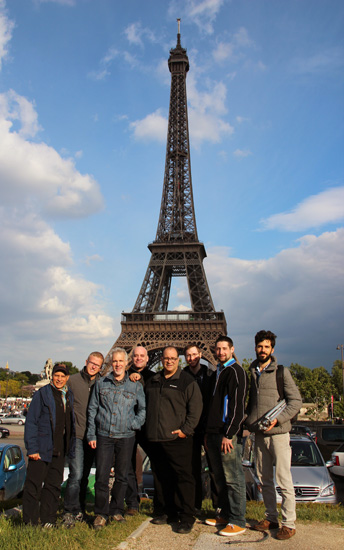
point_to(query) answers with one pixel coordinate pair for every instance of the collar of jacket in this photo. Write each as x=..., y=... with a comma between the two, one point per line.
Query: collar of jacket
x=87, y=377
x=118, y=382
x=271, y=367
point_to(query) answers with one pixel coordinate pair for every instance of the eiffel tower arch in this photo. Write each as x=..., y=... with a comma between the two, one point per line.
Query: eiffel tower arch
x=176, y=250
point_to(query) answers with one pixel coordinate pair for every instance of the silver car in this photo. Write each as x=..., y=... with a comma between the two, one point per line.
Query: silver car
x=13, y=419
x=312, y=482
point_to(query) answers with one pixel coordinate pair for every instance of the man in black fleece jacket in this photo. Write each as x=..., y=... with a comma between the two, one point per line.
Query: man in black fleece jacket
x=223, y=439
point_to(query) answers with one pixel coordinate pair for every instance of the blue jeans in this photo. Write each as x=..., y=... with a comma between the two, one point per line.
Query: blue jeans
x=108, y=449
x=229, y=479
x=79, y=470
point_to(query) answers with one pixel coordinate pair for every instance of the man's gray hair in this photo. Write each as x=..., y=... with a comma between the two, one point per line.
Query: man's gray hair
x=120, y=350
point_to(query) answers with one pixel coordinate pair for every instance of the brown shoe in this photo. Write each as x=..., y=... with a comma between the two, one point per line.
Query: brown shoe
x=266, y=525
x=99, y=523
x=285, y=533
x=131, y=512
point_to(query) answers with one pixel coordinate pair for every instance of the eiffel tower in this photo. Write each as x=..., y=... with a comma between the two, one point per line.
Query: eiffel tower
x=176, y=251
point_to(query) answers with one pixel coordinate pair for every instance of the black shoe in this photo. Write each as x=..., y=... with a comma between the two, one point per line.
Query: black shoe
x=184, y=528
x=160, y=520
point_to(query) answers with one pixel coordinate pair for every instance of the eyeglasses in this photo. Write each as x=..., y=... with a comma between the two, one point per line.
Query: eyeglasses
x=169, y=359
x=94, y=364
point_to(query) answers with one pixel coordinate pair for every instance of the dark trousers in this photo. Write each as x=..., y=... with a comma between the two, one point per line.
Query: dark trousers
x=108, y=449
x=42, y=490
x=173, y=479
x=79, y=471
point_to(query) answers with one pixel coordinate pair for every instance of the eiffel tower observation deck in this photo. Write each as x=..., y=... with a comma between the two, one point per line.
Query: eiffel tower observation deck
x=176, y=250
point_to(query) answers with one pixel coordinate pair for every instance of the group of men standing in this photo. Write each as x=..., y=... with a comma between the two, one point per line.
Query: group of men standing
x=170, y=414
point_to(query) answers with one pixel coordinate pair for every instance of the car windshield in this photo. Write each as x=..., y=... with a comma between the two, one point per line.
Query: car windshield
x=305, y=453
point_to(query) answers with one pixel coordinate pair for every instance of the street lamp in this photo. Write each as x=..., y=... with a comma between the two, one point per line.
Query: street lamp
x=7, y=370
x=341, y=350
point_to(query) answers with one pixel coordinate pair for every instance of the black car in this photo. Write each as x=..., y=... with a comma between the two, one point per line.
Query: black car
x=4, y=432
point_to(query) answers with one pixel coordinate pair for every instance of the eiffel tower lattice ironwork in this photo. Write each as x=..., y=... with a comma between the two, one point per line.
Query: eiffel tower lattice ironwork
x=176, y=251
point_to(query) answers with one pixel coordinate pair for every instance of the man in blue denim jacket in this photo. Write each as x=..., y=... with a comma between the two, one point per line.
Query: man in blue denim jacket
x=117, y=408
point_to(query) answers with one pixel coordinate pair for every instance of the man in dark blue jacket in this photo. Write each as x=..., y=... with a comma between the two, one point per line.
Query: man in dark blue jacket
x=49, y=436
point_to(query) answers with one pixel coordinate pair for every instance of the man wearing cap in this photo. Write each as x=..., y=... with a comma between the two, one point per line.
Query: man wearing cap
x=81, y=384
x=49, y=436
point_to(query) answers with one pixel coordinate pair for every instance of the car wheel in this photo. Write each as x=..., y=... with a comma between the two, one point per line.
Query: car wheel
x=20, y=422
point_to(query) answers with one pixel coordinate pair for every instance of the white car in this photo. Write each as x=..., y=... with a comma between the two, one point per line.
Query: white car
x=337, y=460
x=312, y=482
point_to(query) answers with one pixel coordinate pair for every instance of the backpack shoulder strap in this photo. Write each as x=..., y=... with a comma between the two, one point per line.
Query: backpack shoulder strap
x=280, y=381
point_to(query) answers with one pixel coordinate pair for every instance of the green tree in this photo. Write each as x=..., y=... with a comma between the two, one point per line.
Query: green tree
x=246, y=364
x=337, y=379
x=72, y=368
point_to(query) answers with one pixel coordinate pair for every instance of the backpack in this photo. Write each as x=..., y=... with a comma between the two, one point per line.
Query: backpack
x=280, y=387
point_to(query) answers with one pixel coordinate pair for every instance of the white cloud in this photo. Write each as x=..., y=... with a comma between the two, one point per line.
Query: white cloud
x=328, y=61
x=153, y=126
x=135, y=34
x=34, y=174
x=206, y=110
x=291, y=293
x=62, y=2
x=44, y=305
x=232, y=50
x=93, y=258
x=315, y=211
x=40, y=296
x=240, y=153
x=201, y=12
x=6, y=28
x=104, y=65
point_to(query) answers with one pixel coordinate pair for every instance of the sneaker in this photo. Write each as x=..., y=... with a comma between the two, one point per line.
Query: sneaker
x=216, y=522
x=232, y=530
x=49, y=526
x=68, y=520
x=184, y=528
x=99, y=523
x=131, y=512
x=266, y=525
x=119, y=518
x=285, y=533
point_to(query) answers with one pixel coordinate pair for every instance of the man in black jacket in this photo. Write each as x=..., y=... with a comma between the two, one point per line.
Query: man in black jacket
x=81, y=385
x=223, y=439
x=203, y=377
x=174, y=406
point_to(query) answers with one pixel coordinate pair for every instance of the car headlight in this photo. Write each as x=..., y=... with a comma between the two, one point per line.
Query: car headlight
x=328, y=491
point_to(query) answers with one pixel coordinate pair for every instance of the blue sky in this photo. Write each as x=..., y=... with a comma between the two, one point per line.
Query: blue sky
x=84, y=95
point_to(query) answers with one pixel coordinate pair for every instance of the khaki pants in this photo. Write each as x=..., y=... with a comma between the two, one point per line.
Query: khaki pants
x=275, y=450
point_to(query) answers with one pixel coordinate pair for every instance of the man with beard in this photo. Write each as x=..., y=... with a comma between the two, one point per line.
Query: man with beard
x=272, y=446
x=202, y=375
x=223, y=440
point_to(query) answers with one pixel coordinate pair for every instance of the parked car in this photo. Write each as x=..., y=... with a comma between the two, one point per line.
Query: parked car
x=12, y=471
x=148, y=479
x=328, y=438
x=302, y=430
x=312, y=482
x=4, y=432
x=337, y=462
x=13, y=419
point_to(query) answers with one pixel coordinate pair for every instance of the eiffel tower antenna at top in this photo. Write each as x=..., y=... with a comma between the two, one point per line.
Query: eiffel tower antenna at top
x=176, y=250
